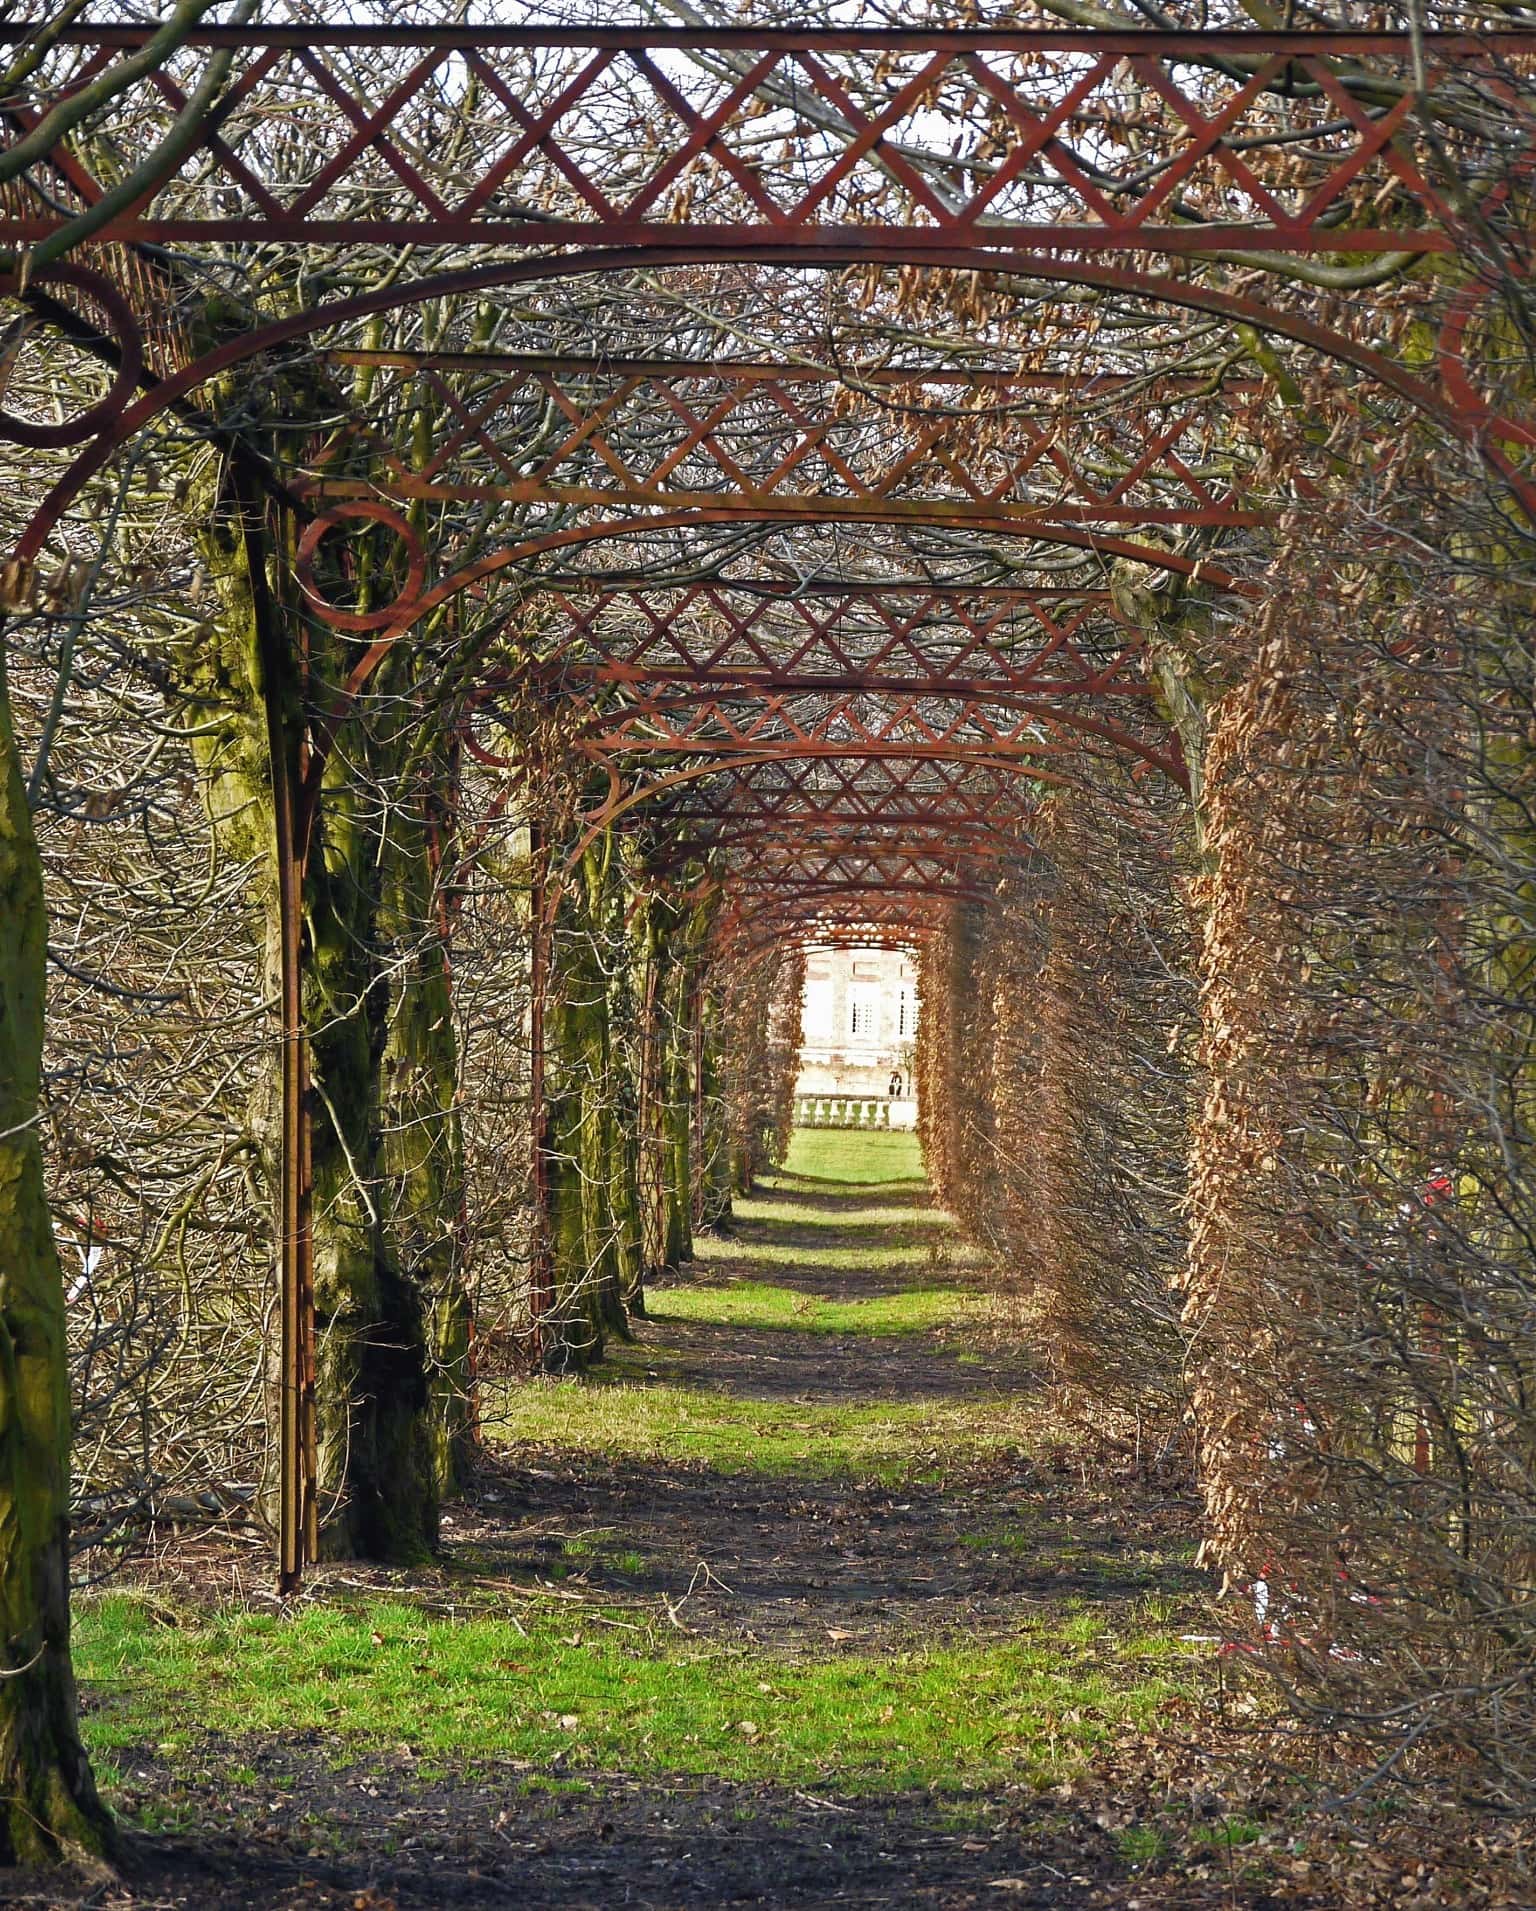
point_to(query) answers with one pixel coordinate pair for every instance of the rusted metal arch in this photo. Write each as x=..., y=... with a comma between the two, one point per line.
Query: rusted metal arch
x=1453, y=405
x=848, y=860
x=948, y=788
x=694, y=703
x=809, y=886
x=860, y=921
x=861, y=815
x=929, y=838
x=797, y=71
x=667, y=656
x=961, y=789
x=521, y=558
x=726, y=750
x=529, y=553
x=707, y=434
x=857, y=862
x=1116, y=216
x=624, y=800
x=716, y=719
x=841, y=852
x=696, y=631
x=913, y=822
x=684, y=725
x=670, y=688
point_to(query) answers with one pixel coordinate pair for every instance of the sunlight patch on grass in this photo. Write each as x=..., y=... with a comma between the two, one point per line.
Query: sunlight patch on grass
x=757, y=1304
x=835, y=1218
x=886, y=1442
x=560, y=1685
x=852, y=1156
x=880, y=1255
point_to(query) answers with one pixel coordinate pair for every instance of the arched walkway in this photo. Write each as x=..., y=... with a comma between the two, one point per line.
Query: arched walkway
x=590, y=515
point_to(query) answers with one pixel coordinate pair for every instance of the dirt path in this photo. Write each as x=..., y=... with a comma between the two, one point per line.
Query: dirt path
x=803, y=1467
x=787, y=1557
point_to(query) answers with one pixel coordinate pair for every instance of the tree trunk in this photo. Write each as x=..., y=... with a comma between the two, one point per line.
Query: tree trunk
x=50, y=1809
x=373, y=1425
x=652, y=1138
x=626, y=1101
x=580, y=1123
x=376, y=1477
x=676, y=1110
x=421, y=1155
x=716, y=1179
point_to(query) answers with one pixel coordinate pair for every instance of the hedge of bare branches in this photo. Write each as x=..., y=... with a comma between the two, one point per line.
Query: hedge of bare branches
x=1361, y=1287
x=758, y=1043
x=1058, y=1102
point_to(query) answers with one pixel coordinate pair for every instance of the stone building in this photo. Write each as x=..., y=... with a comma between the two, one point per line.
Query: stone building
x=860, y=1022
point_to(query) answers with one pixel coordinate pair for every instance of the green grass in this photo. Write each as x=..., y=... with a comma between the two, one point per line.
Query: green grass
x=854, y=1218
x=872, y=1159
x=757, y=1304
x=883, y=1443
x=1227, y=1834
x=1142, y=1844
x=879, y=1256
x=555, y=1788
x=600, y=1549
x=609, y=1682
x=1032, y=1708
x=1002, y=1539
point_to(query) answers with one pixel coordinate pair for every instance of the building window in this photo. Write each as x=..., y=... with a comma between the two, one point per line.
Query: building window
x=901, y=1015
x=818, y=1012
x=861, y=1017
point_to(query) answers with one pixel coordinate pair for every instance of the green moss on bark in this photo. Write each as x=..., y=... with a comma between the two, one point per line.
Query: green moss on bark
x=586, y=1227
x=377, y=1472
x=48, y=1804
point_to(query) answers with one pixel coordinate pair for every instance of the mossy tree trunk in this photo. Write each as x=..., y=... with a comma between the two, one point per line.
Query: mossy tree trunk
x=421, y=1152
x=668, y=938
x=376, y=1476
x=651, y=956
x=674, y=1104
x=625, y=1101
x=580, y=1125
x=716, y=1177
x=48, y=1803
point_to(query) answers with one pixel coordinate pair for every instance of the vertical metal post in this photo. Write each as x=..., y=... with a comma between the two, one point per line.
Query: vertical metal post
x=298, y=1541
x=298, y=1510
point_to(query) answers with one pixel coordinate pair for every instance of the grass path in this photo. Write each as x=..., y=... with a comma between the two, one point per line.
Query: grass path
x=795, y=1601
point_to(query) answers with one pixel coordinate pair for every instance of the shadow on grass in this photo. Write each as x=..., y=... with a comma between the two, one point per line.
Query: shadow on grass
x=811, y=1226
x=800, y=1560
x=280, y=1824
x=914, y=1189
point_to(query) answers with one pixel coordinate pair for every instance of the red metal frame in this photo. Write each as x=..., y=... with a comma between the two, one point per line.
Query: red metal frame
x=1065, y=195
x=676, y=436
x=550, y=87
